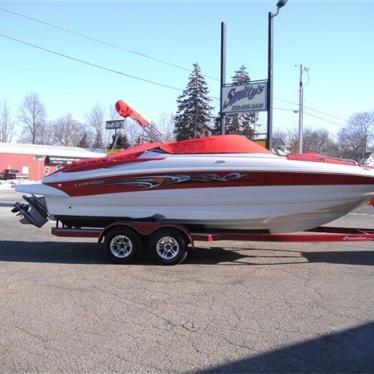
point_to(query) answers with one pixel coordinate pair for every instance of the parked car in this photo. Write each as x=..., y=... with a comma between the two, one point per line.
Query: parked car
x=8, y=174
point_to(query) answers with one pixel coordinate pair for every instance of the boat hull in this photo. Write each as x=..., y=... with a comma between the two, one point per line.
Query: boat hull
x=275, y=209
x=214, y=191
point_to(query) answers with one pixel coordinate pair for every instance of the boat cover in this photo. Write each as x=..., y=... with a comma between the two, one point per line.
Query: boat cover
x=207, y=145
x=214, y=144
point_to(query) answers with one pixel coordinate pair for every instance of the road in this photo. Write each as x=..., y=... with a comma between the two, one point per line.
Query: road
x=236, y=307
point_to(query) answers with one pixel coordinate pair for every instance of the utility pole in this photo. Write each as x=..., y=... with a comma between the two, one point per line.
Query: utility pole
x=301, y=107
x=223, y=75
x=270, y=82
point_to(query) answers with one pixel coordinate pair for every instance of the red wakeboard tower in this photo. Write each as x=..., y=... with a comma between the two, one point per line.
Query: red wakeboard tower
x=126, y=111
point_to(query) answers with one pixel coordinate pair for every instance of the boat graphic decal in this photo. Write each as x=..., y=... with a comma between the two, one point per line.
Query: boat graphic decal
x=218, y=178
x=148, y=182
x=202, y=179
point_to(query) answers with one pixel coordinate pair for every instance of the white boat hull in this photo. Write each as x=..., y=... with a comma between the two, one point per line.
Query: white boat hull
x=245, y=208
x=216, y=191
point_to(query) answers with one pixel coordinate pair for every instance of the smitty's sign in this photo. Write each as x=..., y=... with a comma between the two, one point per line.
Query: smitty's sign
x=249, y=97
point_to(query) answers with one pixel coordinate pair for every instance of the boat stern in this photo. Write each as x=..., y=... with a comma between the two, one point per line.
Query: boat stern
x=35, y=211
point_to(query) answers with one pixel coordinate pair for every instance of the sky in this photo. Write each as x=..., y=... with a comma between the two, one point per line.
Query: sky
x=334, y=39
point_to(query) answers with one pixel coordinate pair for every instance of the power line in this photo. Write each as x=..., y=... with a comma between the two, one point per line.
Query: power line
x=89, y=63
x=125, y=74
x=324, y=119
x=326, y=114
x=311, y=115
x=312, y=109
x=102, y=42
x=115, y=46
x=285, y=109
x=76, y=59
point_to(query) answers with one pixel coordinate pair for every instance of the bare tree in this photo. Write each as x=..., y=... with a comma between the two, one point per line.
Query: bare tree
x=319, y=141
x=6, y=123
x=48, y=134
x=67, y=131
x=314, y=140
x=166, y=126
x=96, y=122
x=113, y=114
x=33, y=116
x=355, y=138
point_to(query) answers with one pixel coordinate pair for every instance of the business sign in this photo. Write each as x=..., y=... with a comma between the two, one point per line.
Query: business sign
x=115, y=124
x=249, y=97
x=54, y=161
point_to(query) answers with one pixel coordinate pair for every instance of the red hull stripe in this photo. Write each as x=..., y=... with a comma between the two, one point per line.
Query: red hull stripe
x=170, y=181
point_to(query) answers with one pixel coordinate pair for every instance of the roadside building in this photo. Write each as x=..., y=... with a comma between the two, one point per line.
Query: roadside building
x=34, y=161
x=280, y=148
x=368, y=160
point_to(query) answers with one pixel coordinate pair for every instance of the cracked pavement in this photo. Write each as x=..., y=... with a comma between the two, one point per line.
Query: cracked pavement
x=235, y=307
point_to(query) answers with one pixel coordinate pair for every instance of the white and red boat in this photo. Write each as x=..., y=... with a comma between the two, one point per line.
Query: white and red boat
x=218, y=182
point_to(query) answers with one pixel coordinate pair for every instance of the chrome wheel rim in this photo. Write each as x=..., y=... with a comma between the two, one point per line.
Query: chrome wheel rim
x=121, y=246
x=167, y=248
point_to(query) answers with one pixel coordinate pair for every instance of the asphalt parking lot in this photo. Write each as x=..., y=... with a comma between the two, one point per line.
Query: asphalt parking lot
x=236, y=307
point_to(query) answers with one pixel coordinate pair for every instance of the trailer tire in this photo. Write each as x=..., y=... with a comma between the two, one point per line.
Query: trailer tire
x=168, y=246
x=123, y=244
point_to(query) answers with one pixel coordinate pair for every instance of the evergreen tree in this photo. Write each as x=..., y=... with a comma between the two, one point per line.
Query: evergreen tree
x=194, y=112
x=122, y=142
x=84, y=140
x=239, y=123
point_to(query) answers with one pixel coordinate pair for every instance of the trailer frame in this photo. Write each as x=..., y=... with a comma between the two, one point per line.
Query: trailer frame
x=169, y=242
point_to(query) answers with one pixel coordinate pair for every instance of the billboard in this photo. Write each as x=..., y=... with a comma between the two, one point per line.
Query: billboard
x=248, y=97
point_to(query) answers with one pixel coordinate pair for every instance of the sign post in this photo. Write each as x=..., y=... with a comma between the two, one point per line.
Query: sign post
x=223, y=74
x=240, y=98
x=270, y=82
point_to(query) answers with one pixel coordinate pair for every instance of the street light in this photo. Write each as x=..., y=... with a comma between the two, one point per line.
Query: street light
x=280, y=4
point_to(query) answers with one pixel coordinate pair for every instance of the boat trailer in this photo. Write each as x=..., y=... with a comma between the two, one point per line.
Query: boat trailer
x=168, y=243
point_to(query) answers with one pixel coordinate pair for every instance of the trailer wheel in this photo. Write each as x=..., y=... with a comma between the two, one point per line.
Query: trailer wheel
x=168, y=246
x=123, y=244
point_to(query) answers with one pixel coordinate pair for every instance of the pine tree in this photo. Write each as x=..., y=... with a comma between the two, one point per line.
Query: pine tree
x=194, y=112
x=239, y=123
x=122, y=142
x=84, y=140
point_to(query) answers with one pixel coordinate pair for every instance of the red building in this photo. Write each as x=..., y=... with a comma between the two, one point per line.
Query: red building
x=36, y=161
